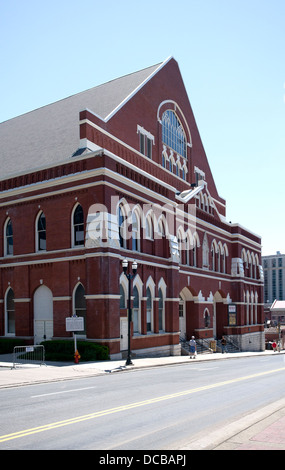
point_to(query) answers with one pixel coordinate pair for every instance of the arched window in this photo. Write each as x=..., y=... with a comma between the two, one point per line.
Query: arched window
x=206, y=318
x=10, y=313
x=149, y=226
x=41, y=241
x=121, y=219
x=205, y=248
x=224, y=259
x=160, y=310
x=135, y=232
x=148, y=309
x=173, y=134
x=135, y=310
x=80, y=305
x=8, y=238
x=122, y=297
x=196, y=244
x=78, y=226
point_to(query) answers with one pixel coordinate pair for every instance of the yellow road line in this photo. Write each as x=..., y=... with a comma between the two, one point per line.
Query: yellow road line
x=98, y=414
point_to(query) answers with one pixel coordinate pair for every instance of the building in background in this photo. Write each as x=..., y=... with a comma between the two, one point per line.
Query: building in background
x=119, y=171
x=274, y=281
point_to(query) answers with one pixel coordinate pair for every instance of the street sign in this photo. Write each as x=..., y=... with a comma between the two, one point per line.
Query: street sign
x=74, y=324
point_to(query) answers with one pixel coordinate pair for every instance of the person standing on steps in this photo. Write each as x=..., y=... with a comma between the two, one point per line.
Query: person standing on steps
x=224, y=344
x=192, y=345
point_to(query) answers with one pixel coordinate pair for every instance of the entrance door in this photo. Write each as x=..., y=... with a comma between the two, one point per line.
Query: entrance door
x=124, y=334
x=43, y=314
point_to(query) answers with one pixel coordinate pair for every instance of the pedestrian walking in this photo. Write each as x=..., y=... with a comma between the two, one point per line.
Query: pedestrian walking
x=192, y=345
x=224, y=344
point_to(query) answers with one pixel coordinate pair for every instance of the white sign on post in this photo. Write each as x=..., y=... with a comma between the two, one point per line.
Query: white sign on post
x=74, y=324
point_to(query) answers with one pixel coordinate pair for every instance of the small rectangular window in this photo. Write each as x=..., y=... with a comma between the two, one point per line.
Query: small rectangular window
x=146, y=141
x=142, y=143
x=149, y=148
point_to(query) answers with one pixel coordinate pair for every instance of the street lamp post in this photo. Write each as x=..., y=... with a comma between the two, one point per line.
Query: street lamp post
x=130, y=277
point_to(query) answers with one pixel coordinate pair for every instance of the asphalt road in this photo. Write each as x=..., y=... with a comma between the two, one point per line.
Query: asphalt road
x=154, y=409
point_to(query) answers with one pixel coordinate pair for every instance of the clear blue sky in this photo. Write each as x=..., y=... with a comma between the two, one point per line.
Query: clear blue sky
x=231, y=55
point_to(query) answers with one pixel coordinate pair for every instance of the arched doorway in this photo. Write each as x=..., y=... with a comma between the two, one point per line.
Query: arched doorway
x=186, y=312
x=43, y=314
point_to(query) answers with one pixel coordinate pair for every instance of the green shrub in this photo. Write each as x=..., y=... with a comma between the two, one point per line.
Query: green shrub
x=7, y=344
x=63, y=350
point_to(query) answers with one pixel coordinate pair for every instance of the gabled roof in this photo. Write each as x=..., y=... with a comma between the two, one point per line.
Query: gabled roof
x=50, y=135
x=277, y=306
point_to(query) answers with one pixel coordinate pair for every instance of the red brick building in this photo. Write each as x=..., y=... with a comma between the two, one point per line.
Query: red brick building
x=119, y=171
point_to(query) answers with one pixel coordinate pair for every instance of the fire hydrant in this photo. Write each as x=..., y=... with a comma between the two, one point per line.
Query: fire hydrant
x=76, y=357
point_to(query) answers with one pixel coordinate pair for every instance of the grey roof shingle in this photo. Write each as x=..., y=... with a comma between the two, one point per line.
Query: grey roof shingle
x=50, y=135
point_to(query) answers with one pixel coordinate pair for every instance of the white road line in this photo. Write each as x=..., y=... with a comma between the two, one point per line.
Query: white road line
x=63, y=391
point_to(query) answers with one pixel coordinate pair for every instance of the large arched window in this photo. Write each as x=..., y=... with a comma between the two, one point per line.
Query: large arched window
x=10, y=313
x=78, y=226
x=41, y=240
x=80, y=305
x=173, y=134
x=8, y=239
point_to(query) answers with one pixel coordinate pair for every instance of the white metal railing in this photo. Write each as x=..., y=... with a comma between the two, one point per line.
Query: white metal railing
x=34, y=354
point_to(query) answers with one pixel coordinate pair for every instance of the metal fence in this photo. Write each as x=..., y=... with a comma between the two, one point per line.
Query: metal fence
x=29, y=355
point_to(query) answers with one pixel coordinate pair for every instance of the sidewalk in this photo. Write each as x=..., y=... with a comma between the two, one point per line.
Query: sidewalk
x=54, y=371
x=264, y=429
